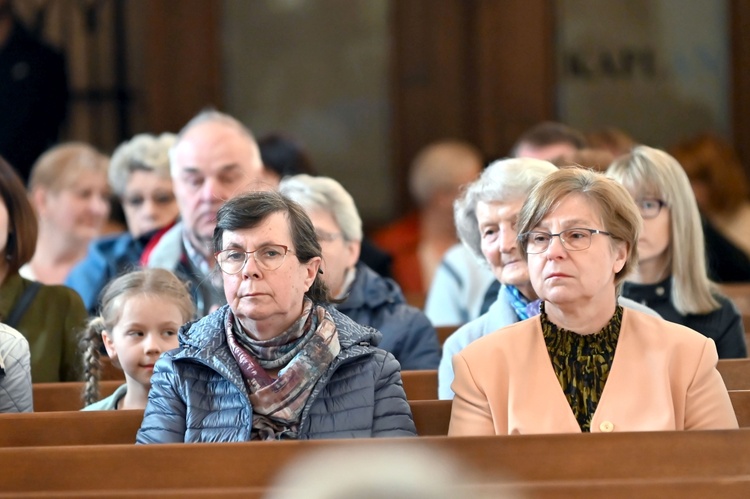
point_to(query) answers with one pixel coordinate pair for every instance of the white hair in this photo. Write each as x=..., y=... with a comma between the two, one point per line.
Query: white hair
x=144, y=152
x=504, y=180
x=324, y=193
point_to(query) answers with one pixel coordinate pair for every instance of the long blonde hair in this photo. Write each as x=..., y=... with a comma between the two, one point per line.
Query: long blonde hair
x=660, y=175
x=153, y=282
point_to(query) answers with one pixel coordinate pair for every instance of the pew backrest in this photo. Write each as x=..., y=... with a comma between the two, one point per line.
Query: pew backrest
x=431, y=417
x=420, y=385
x=546, y=459
x=741, y=404
x=735, y=373
x=66, y=396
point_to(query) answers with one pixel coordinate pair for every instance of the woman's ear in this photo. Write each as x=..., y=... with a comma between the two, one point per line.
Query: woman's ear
x=621, y=252
x=109, y=345
x=312, y=267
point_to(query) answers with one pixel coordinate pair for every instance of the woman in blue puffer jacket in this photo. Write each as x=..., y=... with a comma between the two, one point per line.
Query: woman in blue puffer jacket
x=277, y=362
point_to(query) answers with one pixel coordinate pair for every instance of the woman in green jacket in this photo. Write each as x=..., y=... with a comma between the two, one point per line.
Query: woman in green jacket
x=48, y=316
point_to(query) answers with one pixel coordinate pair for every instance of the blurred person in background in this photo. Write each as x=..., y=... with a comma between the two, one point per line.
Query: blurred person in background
x=140, y=178
x=418, y=241
x=719, y=183
x=70, y=193
x=282, y=157
x=549, y=141
x=671, y=276
x=33, y=93
x=366, y=297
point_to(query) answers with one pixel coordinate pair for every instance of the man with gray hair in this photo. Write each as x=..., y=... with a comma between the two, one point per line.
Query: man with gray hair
x=366, y=297
x=214, y=159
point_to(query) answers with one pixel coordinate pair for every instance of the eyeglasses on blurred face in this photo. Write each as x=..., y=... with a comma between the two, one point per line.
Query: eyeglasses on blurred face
x=649, y=207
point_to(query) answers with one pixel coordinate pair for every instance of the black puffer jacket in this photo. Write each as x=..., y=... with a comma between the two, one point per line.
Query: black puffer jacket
x=198, y=394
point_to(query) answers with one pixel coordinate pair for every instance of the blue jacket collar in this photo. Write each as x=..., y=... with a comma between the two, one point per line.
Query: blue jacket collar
x=370, y=290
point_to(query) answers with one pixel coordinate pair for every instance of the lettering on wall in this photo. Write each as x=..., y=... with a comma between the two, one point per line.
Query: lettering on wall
x=626, y=63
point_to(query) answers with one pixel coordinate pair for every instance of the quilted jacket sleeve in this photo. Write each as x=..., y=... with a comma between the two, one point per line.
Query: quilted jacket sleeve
x=164, y=420
x=15, y=384
x=392, y=415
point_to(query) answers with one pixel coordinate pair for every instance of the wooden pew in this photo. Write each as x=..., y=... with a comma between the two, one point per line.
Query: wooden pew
x=735, y=373
x=551, y=460
x=727, y=486
x=444, y=331
x=431, y=418
x=66, y=396
x=69, y=428
x=741, y=404
x=420, y=385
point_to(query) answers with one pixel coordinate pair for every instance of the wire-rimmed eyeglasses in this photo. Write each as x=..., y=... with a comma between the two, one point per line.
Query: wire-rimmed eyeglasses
x=575, y=239
x=650, y=207
x=269, y=257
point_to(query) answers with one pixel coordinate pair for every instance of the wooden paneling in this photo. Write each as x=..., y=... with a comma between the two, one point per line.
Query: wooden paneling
x=182, y=61
x=479, y=70
x=515, y=71
x=431, y=81
x=739, y=25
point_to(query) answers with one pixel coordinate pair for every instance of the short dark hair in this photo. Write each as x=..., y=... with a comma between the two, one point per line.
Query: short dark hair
x=22, y=223
x=251, y=209
x=284, y=155
x=548, y=133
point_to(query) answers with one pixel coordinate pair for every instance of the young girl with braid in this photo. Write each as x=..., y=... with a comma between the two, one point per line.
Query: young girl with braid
x=140, y=313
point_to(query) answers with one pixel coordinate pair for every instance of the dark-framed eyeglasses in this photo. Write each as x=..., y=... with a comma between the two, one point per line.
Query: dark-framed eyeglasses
x=575, y=239
x=650, y=207
x=269, y=257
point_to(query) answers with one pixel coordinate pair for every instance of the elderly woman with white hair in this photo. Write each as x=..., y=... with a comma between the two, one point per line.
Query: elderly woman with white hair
x=139, y=175
x=363, y=295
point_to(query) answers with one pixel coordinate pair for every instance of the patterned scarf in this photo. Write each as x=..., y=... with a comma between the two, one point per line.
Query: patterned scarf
x=534, y=308
x=518, y=301
x=304, y=352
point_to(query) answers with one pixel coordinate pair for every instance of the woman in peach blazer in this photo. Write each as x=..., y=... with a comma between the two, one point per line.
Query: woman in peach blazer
x=585, y=364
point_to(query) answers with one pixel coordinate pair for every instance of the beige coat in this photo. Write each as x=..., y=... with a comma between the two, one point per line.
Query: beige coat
x=663, y=377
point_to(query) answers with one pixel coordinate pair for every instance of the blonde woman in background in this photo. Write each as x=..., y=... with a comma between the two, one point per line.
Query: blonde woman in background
x=139, y=176
x=671, y=275
x=69, y=191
